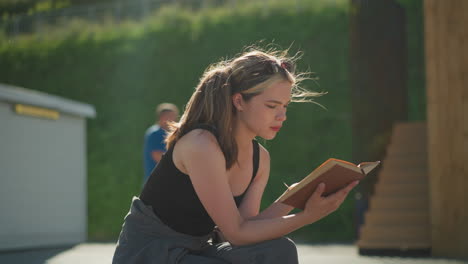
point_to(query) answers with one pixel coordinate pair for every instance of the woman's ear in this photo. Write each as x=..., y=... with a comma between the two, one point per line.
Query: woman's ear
x=237, y=101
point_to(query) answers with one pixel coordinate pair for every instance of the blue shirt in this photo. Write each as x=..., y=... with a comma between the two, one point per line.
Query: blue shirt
x=154, y=141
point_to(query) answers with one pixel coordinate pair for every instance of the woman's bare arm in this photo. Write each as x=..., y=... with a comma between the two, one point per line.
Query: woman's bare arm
x=202, y=158
x=250, y=206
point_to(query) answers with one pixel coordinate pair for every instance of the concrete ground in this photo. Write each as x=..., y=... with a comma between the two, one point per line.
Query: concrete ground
x=99, y=253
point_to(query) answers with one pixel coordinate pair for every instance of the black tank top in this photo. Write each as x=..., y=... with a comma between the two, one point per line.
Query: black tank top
x=171, y=195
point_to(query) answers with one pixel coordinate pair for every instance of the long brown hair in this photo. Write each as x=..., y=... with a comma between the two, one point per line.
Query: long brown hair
x=248, y=74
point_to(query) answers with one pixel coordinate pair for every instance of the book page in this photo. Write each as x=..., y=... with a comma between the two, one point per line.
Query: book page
x=368, y=166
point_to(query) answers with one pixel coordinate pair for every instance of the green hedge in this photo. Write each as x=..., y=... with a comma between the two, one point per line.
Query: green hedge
x=125, y=70
x=416, y=66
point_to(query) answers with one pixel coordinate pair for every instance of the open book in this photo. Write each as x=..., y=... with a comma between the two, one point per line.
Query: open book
x=335, y=173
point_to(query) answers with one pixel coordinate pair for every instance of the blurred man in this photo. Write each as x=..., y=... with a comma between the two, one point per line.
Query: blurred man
x=154, y=146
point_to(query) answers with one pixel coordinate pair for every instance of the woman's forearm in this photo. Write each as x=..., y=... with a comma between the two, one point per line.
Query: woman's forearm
x=257, y=230
x=276, y=209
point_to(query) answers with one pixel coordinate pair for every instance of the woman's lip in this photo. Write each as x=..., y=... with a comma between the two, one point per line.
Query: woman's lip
x=277, y=128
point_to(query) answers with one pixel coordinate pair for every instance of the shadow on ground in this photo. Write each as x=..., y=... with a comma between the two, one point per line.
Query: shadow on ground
x=31, y=256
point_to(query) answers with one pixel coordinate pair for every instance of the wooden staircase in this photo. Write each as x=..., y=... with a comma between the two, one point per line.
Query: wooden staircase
x=397, y=220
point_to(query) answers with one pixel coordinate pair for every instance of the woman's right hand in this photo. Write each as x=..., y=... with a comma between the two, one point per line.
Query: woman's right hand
x=319, y=206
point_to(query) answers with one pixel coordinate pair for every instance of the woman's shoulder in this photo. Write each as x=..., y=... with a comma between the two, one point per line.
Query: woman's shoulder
x=198, y=146
x=198, y=140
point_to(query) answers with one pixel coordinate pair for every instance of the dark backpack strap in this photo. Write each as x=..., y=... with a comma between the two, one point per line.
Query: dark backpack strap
x=256, y=158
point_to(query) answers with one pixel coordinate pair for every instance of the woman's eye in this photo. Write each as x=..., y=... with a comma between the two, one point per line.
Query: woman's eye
x=271, y=106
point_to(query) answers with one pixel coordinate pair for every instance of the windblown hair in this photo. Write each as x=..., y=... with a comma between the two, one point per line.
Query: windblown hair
x=248, y=74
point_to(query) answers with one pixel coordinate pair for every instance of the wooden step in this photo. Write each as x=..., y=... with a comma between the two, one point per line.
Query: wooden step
x=409, y=129
x=404, y=172
x=389, y=244
x=403, y=203
x=394, y=217
x=405, y=161
x=402, y=189
x=413, y=137
x=398, y=216
x=408, y=172
x=406, y=148
x=413, y=197
x=401, y=179
x=408, y=143
x=403, y=175
x=395, y=232
x=403, y=169
x=411, y=140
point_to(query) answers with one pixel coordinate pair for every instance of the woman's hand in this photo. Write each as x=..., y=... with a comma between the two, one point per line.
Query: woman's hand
x=288, y=188
x=319, y=206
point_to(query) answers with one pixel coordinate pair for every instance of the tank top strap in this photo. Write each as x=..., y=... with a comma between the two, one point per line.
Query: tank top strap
x=256, y=158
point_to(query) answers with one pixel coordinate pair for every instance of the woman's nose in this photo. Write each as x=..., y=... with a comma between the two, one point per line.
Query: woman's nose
x=281, y=116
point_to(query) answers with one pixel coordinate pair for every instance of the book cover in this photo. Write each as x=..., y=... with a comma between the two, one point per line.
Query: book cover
x=335, y=173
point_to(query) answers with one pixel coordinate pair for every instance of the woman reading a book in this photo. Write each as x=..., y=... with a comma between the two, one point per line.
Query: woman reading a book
x=214, y=174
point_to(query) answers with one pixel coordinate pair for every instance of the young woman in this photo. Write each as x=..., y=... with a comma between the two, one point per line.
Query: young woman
x=214, y=174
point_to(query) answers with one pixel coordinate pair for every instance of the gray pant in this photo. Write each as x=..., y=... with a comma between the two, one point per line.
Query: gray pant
x=146, y=239
x=281, y=250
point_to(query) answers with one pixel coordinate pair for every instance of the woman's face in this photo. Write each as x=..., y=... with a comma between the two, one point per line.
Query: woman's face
x=264, y=114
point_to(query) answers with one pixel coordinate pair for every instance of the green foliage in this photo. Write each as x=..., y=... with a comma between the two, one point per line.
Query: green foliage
x=416, y=74
x=11, y=7
x=416, y=64
x=17, y=7
x=125, y=70
x=48, y=5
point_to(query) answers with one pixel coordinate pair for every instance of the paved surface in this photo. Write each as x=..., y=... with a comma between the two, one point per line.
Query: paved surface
x=99, y=253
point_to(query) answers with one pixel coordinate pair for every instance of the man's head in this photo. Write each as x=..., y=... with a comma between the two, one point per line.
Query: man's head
x=166, y=113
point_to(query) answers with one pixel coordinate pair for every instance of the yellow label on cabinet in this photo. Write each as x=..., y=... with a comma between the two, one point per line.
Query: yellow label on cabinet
x=36, y=111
